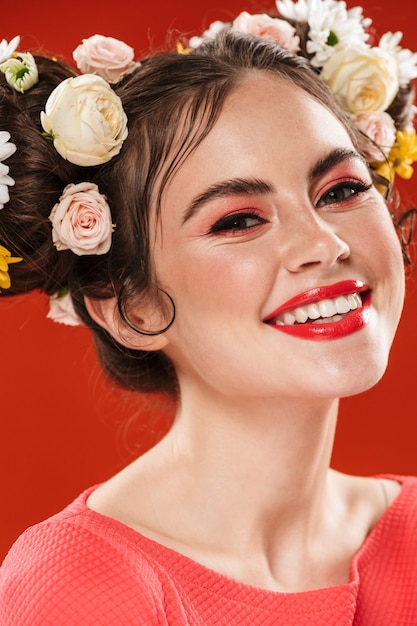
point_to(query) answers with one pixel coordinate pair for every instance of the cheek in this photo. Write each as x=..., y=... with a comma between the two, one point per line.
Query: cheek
x=384, y=244
x=221, y=277
x=378, y=244
x=374, y=235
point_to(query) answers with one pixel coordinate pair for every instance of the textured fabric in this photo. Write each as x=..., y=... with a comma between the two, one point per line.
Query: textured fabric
x=82, y=568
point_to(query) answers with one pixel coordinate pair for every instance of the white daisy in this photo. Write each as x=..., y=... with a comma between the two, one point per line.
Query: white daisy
x=7, y=148
x=7, y=49
x=406, y=60
x=330, y=25
x=299, y=11
x=214, y=29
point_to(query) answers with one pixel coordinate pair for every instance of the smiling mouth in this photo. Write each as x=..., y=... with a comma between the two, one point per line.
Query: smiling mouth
x=324, y=311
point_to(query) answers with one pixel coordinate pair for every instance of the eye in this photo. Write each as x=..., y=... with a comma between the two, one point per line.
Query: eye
x=342, y=192
x=237, y=223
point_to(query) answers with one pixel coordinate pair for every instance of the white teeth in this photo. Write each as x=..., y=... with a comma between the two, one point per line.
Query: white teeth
x=289, y=319
x=301, y=315
x=329, y=310
x=342, y=304
x=354, y=300
x=327, y=320
x=313, y=311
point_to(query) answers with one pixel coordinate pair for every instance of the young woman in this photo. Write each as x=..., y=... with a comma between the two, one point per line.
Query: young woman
x=228, y=242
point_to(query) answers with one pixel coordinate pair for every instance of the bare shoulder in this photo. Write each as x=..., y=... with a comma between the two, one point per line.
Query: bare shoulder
x=368, y=497
x=391, y=489
x=136, y=495
x=115, y=497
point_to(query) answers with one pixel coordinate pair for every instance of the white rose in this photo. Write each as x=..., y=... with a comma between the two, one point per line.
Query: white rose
x=363, y=79
x=105, y=56
x=81, y=220
x=85, y=118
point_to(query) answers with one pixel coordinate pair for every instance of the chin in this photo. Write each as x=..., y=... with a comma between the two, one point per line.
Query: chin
x=356, y=373
x=365, y=364
x=365, y=379
x=363, y=385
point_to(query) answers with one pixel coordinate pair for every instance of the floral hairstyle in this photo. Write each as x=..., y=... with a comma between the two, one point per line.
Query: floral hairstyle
x=79, y=217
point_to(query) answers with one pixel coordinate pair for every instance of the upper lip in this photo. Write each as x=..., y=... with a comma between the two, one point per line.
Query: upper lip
x=316, y=294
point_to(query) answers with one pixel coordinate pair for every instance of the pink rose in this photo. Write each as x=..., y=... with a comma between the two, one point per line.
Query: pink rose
x=264, y=26
x=61, y=310
x=105, y=56
x=81, y=220
x=380, y=127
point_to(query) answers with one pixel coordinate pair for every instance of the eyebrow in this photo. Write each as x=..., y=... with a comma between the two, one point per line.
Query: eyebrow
x=256, y=186
x=334, y=158
x=227, y=188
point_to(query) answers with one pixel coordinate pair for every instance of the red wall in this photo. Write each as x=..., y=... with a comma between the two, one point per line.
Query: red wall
x=62, y=427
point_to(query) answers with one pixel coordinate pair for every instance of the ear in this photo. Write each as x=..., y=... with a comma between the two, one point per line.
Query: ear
x=106, y=314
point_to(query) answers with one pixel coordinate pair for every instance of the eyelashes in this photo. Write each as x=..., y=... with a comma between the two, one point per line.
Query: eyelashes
x=343, y=192
x=237, y=223
x=242, y=222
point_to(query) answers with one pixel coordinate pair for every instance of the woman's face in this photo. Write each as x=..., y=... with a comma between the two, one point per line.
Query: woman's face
x=271, y=222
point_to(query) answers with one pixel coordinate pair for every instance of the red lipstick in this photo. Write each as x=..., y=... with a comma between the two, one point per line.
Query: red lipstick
x=350, y=323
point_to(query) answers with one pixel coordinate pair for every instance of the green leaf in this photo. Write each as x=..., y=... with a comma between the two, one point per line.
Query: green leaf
x=21, y=73
x=332, y=39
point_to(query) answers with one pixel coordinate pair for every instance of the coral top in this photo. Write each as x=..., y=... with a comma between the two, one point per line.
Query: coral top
x=80, y=568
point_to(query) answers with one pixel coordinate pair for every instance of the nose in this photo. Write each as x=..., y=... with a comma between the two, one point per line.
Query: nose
x=308, y=240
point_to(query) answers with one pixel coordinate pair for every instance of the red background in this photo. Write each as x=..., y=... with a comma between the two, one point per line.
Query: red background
x=63, y=427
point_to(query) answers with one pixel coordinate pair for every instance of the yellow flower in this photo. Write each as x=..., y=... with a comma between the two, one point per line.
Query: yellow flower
x=5, y=260
x=401, y=156
x=182, y=50
x=404, y=153
x=385, y=170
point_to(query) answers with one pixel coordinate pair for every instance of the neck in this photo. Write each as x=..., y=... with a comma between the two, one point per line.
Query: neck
x=243, y=487
x=258, y=461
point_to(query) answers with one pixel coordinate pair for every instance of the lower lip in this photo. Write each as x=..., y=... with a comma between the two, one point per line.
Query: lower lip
x=351, y=323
